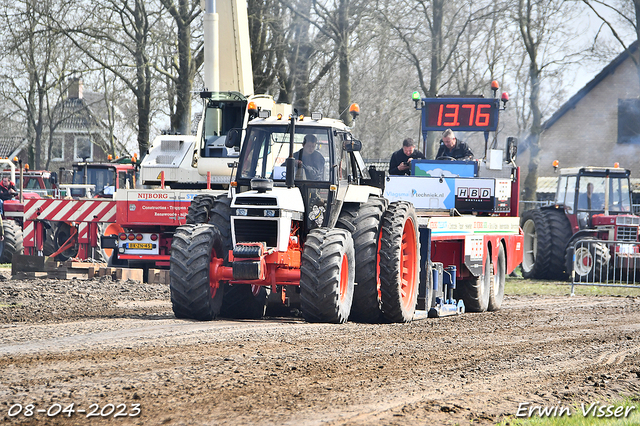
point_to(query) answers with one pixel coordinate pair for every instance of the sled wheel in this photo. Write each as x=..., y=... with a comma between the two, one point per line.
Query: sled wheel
x=476, y=291
x=496, y=293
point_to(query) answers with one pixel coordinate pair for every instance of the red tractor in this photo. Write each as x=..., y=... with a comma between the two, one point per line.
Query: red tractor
x=30, y=184
x=89, y=180
x=592, y=208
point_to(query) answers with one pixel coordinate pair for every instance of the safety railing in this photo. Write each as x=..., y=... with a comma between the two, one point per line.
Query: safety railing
x=605, y=263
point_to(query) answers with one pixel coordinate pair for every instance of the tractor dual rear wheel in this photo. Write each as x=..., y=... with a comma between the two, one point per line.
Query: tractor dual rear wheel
x=363, y=221
x=327, y=274
x=537, y=241
x=399, y=262
x=546, y=233
x=200, y=209
x=12, y=242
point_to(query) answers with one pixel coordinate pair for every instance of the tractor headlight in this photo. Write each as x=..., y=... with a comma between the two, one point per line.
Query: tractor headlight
x=241, y=212
x=269, y=213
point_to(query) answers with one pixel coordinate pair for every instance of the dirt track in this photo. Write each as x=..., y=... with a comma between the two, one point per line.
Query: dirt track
x=104, y=342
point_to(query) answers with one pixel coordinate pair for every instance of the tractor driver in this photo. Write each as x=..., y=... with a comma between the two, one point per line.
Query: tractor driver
x=452, y=148
x=7, y=191
x=310, y=160
x=589, y=200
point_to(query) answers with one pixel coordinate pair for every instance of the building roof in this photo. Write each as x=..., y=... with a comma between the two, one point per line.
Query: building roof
x=11, y=145
x=75, y=113
x=606, y=71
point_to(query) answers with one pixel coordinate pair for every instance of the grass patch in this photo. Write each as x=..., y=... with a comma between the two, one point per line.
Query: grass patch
x=595, y=415
x=518, y=286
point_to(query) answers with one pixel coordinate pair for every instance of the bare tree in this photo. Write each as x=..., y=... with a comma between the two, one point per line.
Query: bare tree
x=628, y=13
x=545, y=30
x=115, y=34
x=37, y=61
x=440, y=45
x=183, y=65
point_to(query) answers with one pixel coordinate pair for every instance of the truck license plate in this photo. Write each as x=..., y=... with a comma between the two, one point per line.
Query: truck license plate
x=140, y=246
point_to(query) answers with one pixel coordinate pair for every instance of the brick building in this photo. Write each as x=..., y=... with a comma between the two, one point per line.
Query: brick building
x=598, y=126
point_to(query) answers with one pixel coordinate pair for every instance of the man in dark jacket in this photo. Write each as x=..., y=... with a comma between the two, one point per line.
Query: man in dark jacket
x=7, y=189
x=453, y=148
x=310, y=160
x=7, y=192
x=400, y=163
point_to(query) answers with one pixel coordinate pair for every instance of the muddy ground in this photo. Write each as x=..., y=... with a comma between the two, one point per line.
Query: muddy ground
x=97, y=342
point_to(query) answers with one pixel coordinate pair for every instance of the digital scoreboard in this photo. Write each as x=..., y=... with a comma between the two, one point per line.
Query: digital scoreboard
x=460, y=114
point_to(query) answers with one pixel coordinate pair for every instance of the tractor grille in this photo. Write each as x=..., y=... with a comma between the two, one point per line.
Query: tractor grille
x=256, y=231
x=627, y=233
x=256, y=201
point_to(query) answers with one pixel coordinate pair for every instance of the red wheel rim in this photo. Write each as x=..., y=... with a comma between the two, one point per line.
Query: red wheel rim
x=344, y=277
x=378, y=264
x=215, y=263
x=408, y=263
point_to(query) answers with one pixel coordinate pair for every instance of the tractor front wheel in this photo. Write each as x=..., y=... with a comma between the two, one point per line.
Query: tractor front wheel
x=327, y=275
x=589, y=261
x=193, y=250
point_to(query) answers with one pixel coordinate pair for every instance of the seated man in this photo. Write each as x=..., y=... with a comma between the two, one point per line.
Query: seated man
x=7, y=191
x=400, y=162
x=452, y=148
x=589, y=200
x=310, y=160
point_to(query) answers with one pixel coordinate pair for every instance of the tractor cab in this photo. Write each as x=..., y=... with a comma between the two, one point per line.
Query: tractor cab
x=100, y=180
x=323, y=156
x=595, y=196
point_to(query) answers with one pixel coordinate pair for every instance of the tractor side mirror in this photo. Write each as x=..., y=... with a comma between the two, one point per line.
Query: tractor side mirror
x=53, y=178
x=233, y=138
x=512, y=149
x=352, y=145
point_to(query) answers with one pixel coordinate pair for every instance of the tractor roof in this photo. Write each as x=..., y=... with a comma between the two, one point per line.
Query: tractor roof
x=304, y=122
x=570, y=171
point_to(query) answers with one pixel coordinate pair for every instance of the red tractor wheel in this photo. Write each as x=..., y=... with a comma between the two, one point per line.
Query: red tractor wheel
x=399, y=262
